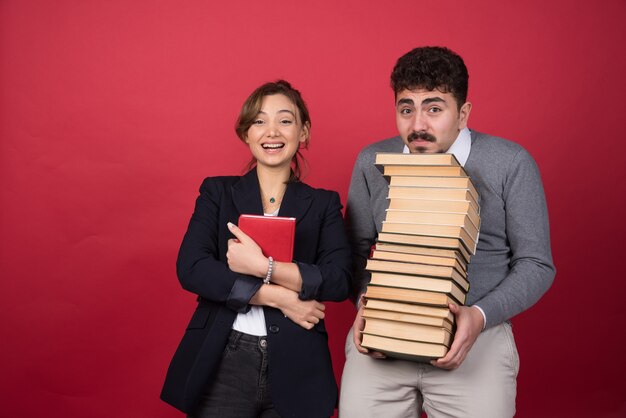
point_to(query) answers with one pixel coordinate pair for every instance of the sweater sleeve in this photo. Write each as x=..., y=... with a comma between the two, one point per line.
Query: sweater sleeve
x=531, y=270
x=361, y=226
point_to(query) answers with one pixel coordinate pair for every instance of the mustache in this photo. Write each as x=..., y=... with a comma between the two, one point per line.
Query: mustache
x=424, y=136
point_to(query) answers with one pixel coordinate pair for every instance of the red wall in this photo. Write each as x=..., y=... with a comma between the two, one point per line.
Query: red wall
x=112, y=112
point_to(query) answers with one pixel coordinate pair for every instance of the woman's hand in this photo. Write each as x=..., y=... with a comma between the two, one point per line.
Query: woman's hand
x=244, y=255
x=305, y=313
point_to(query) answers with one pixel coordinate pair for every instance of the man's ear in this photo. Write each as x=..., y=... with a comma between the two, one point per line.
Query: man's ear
x=464, y=114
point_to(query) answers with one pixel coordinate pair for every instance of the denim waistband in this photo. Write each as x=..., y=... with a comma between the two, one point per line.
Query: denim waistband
x=242, y=340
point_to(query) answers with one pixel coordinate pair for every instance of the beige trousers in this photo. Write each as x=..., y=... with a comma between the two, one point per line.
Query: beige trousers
x=483, y=387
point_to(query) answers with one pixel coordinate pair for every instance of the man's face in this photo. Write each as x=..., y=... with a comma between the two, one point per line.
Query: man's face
x=428, y=120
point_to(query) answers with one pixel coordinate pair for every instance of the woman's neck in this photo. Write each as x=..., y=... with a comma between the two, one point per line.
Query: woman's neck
x=272, y=183
x=272, y=178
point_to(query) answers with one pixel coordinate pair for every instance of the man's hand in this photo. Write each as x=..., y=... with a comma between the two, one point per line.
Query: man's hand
x=357, y=328
x=469, y=324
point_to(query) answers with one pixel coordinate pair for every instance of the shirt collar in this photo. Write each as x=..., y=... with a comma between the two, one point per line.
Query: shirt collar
x=460, y=147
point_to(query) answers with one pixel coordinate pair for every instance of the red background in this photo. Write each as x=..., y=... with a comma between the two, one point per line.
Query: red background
x=112, y=112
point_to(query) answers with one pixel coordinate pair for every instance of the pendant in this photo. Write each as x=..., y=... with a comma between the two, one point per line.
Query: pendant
x=272, y=200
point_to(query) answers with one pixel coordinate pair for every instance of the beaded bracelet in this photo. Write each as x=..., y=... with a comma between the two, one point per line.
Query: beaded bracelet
x=270, y=269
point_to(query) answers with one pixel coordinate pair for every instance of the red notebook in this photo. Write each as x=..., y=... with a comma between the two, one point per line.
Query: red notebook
x=274, y=234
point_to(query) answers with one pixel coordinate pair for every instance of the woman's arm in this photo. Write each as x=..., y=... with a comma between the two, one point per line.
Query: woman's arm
x=305, y=313
x=329, y=277
x=199, y=267
x=245, y=256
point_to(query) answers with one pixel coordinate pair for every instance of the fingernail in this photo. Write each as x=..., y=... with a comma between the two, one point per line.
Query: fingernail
x=230, y=225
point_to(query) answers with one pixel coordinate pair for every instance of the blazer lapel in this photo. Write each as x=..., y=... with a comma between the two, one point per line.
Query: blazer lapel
x=247, y=195
x=296, y=202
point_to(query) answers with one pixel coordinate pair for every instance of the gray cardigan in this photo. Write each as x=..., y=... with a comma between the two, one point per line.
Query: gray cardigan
x=513, y=265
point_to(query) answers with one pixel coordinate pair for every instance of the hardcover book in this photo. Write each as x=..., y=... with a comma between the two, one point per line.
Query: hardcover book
x=407, y=331
x=421, y=250
x=407, y=317
x=409, y=308
x=436, y=206
x=425, y=241
x=432, y=193
x=420, y=259
x=394, y=158
x=417, y=269
x=403, y=349
x=395, y=294
x=439, y=182
x=274, y=234
x=427, y=171
x=431, y=284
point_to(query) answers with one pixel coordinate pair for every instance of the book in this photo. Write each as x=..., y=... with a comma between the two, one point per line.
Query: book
x=433, y=218
x=432, y=193
x=439, y=182
x=411, y=296
x=430, y=284
x=409, y=308
x=403, y=349
x=407, y=317
x=425, y=241
x=379, y=254
x=427, y=171
x=407, y=331
x=415, y=269
x=436, y=206
x=274, y=234
x=399, y=158
x=421, y=250
x=445, y=231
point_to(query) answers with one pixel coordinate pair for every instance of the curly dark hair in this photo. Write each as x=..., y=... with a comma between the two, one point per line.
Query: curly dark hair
x=430, y=68
x=250, y=111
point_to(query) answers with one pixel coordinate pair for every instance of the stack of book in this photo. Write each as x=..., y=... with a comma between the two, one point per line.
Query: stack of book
x=419, y=263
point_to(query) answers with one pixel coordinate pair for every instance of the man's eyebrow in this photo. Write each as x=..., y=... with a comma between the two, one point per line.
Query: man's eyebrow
x=406, y=101
x=432, y=100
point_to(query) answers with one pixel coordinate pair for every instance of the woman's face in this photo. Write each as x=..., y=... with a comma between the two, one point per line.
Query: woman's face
x=276, y=133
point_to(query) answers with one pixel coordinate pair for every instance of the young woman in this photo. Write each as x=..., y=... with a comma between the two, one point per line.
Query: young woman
x=254, y=349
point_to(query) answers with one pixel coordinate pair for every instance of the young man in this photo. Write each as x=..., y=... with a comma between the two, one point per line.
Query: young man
x=511, y=270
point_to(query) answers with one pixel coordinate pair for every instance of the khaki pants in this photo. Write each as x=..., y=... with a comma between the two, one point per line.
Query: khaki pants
x=483, y=387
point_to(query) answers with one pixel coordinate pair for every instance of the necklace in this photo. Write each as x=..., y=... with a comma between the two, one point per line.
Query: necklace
x=272, y=199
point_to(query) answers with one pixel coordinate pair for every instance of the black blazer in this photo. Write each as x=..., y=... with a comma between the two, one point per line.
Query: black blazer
x=301, y=378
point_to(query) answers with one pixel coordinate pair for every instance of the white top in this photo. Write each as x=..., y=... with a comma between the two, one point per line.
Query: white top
x=253, y=321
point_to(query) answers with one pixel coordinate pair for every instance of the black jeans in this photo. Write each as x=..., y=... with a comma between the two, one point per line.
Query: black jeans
x=239, y=389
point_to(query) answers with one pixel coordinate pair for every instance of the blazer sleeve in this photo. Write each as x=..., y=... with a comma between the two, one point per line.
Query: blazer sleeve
x=328, y=278
x=199, y=267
